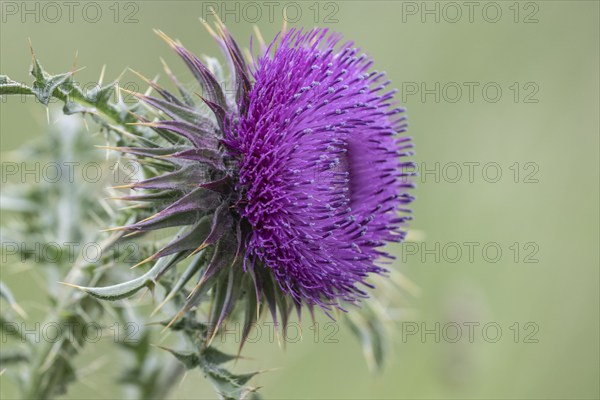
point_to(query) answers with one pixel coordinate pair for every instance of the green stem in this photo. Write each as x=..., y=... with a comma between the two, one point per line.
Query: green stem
x=48, y=380
x=106, y=113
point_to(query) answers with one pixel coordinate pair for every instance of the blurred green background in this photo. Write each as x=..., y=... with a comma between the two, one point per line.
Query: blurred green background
x=544, y=56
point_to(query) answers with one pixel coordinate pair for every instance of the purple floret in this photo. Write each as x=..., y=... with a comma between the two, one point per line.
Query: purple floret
x=321, y=175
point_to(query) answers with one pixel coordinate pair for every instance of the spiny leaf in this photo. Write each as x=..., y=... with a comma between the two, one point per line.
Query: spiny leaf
x=161, y=197
x=201, y=134
x=214, y=356
x=227, y=384
x=198, y=199
x=128, y=289
x=251, y=312
x=221, y=223
x=147, y=151
x=188, y=240
x=187, y=97
x=203, y=75
x=44, y=89
x=96, y=103
x=226, y=295
x=371, y=333
x=222, y=258
x=163, y=92
x=190, y=271
x=177, y=112
x=187, y=176
x=189, y=325
x=8, y=86
x=189, y=359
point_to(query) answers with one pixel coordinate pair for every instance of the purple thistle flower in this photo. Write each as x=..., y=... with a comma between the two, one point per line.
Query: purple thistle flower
x=291, y=185
x=320, y=171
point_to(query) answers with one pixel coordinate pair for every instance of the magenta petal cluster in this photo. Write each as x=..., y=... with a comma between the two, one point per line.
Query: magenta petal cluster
x=322, y=175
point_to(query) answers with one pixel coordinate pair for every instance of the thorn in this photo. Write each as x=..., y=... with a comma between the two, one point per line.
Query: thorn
x=144, y=261
x=17, y=308
x=148, y=290
x=165, y=66
x=131, y=234
x=248, y=55
x=172, y=43
x=149, y=90
x=74, y=65
x=273, y=369
x=48, y=115
x=52, y=354
x=129, y=134
x=208, y=27
x=180, y=385
x=121, y=75
x=135, y=115
x=74, y=71
x=161, y=305
x=149, y=218
x=108, y=147
x=198, y=285
x=202, y=246
x=165, y=156
x=31, y=48
x=118, y=92
x=128, y=186
x=72, y=285
x=278, y=338
x=284, y=25
x=174, y=319
x=259, y=37
x=219, y=24
x=150, y=83
x=106, y=156
x=148, y=124
x=115, y=229
x=142, y=77
x=214, y=334
x=101, y=79
x=131, y=207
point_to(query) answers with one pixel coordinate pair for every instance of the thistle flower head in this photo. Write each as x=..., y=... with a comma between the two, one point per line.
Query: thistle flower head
x=319, y=160
x=291, y=184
